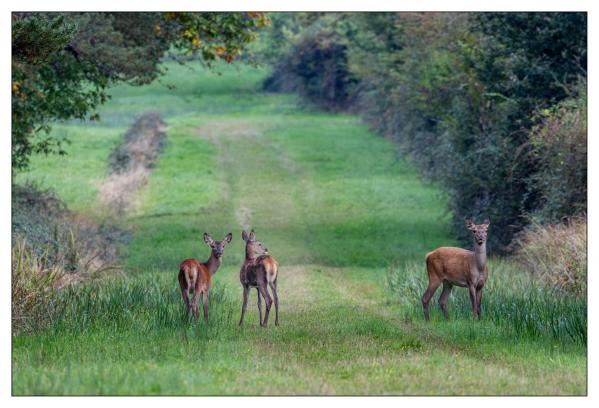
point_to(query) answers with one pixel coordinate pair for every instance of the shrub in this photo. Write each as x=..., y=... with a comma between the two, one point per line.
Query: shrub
x=35, y=215
x=57, y=235
x=316, y=66
x=560, y=148
x=557, y=254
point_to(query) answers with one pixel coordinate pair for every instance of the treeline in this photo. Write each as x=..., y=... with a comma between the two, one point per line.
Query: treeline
x=491, y=106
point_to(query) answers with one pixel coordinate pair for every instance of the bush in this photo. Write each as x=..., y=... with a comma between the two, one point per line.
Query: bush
x=316, y=67
x=57, y=235
x=557, y=254
x=38, y=215
x=560, y=148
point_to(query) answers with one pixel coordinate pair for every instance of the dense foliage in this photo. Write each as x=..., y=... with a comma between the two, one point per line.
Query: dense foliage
x=559, y=147
x=316, y=65
x=492, y=106
x=63, y=63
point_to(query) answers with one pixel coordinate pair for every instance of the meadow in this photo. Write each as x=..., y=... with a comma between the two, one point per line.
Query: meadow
x=349, y=223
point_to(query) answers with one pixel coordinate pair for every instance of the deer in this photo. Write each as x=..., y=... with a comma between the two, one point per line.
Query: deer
x=460, y=267
x=196, y=275
x=259, y=270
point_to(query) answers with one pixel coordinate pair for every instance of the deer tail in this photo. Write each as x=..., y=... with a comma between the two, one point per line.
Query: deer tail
x=271, y=268
x=189, y=273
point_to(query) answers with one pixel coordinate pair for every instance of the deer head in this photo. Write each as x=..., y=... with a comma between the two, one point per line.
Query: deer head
x=252, y=246
x=217, y=247
x=479, y=231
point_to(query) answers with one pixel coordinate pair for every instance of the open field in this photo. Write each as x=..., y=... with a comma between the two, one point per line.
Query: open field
x=349, y=225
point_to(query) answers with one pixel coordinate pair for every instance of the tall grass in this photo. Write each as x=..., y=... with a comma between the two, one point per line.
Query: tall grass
x=32, y=283
x=557, y=254
x=518, y=305
x=147, y=303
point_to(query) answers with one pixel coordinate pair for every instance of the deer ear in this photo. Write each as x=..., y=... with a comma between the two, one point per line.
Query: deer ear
x=469, y=224
x=208, y=239
x=252, y=235
x=487, y=223
x=244, y=235
x=228, y=238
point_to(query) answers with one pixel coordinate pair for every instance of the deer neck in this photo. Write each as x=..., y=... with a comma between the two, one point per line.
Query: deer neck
x=212, y=264
x=249, y=254
x=480, y=255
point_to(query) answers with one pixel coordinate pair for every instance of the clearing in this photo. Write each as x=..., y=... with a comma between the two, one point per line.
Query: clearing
x=335, y=207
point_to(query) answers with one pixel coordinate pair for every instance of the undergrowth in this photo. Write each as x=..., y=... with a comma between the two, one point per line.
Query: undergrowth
x=53, y=248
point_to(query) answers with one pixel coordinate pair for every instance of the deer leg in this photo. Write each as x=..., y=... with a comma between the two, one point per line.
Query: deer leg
x=444, y=297
x=479, y=297
x=273, y=287
x=194, y=303
x=433, y=284
x=259, y=305
x=267, y=300
x=205, y=296
x=246, y=292
x=185, y=295
x=472, y=290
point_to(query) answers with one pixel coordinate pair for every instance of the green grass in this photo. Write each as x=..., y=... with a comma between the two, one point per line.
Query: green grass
x=515, y=305
x=76, y=176
x=336, y=208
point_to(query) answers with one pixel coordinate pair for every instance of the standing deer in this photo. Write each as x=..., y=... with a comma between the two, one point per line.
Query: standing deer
x=199, y=275
x=258, y=272
x=457, y=266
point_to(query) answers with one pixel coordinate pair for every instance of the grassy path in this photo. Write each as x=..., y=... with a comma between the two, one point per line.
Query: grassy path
x=335, y=207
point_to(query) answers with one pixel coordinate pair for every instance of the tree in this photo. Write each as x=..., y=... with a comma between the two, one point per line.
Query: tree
x=64, y=63
x=309, y=54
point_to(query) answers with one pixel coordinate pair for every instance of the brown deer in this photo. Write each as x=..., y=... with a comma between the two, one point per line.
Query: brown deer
x=258, y=272
x=460, y=267
x=196, y=275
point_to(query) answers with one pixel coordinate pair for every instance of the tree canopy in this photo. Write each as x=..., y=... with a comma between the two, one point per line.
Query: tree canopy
x=64, y=63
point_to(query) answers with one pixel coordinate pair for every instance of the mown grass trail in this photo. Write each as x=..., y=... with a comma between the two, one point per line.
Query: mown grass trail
x=335, y=207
